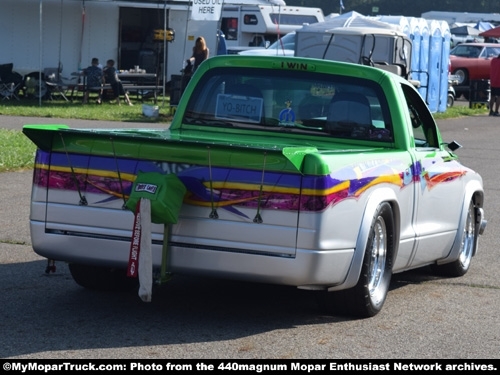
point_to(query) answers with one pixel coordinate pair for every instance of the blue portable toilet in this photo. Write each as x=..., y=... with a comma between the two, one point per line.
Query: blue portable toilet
x=401, y=22
x=423, y=65
x=445, y=58
x=221, y=43
x=416, y=41
x=435, y=64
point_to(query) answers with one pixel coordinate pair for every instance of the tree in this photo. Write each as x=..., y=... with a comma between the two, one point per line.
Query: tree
x=400, y=8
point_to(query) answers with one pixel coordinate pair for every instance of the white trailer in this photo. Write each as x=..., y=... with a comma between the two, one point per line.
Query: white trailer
x=39, y=34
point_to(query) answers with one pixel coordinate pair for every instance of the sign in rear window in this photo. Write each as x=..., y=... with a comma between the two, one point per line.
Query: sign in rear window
x=239, y=107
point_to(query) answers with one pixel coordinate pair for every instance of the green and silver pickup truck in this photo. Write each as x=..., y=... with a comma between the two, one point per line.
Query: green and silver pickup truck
x=321, y=175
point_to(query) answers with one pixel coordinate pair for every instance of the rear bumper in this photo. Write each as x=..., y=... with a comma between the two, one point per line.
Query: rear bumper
x=309, y=269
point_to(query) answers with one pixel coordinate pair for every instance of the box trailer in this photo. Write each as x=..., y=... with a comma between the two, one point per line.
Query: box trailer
x=157, y=36
x=67, y=34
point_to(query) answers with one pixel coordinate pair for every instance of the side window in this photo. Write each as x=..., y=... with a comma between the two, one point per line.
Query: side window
x=422, y=122
x=492, y=52
x=250, y=19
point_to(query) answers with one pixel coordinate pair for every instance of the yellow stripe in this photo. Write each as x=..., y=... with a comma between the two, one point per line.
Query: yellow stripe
x=283, y=190
x=215, y=185
x=390, y=179
x=94, y=172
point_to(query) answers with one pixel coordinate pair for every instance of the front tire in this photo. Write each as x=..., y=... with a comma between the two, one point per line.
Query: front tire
x=368, y=296
x=461, y=265
x=450, y=101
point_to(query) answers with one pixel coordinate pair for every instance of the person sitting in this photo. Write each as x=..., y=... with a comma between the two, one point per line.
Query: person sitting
x=94, y=80
x=111, y=77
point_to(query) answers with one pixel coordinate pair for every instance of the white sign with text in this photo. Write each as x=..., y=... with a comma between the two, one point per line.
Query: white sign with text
x=206, y=10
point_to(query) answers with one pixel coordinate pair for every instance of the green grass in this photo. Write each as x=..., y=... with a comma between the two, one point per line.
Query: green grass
x=459, y=111
x=16, y=150
x=92, y=111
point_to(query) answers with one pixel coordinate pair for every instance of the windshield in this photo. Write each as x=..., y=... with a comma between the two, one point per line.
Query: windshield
x=290, y=100
x=285, y=42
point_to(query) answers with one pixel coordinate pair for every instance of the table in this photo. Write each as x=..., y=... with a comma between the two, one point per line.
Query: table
x=138, y=78
x=132, y=82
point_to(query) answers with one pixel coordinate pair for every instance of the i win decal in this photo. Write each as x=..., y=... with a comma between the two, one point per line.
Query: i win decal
x=293, y=65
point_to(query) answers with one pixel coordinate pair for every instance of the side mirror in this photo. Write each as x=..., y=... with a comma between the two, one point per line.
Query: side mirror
x=453, y=145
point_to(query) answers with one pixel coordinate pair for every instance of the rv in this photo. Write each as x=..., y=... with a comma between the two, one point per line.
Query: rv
x=257, y=25
x=156, y=36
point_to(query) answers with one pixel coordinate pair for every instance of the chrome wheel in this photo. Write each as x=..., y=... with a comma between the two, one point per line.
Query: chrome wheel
x=377, y=264
x=468, y=239
x=462, y=76
x=450, y=101
x=368, y=296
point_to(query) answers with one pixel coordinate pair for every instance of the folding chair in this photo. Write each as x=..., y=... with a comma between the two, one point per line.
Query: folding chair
x=10, y=82
x=58, y=84
x=9, y=90
x=54, y=83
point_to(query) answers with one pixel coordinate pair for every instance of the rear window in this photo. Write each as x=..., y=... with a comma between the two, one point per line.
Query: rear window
x=298, y=101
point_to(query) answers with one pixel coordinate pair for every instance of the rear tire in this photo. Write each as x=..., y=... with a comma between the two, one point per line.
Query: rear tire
x=368, y=296
x=462, y=77
x=102, y=278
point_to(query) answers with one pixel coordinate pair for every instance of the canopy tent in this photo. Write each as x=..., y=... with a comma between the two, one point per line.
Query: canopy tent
x=491, y=33
x=350, y=19
x=483, y=26
x=464, y=30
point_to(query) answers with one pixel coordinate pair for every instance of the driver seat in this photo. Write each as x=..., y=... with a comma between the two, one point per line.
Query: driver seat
x=348, y=111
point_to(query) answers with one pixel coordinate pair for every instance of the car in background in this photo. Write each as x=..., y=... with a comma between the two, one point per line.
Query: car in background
x=471, y=61
x=455, y=40
x=285, y=46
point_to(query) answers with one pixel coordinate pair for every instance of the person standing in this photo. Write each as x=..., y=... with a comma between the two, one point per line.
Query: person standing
x=495, y=86
x=200, y=53
x=93, y=80
x=111, y=77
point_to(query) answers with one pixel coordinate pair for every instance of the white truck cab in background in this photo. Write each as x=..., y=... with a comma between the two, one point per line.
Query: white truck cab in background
x=255, y=24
